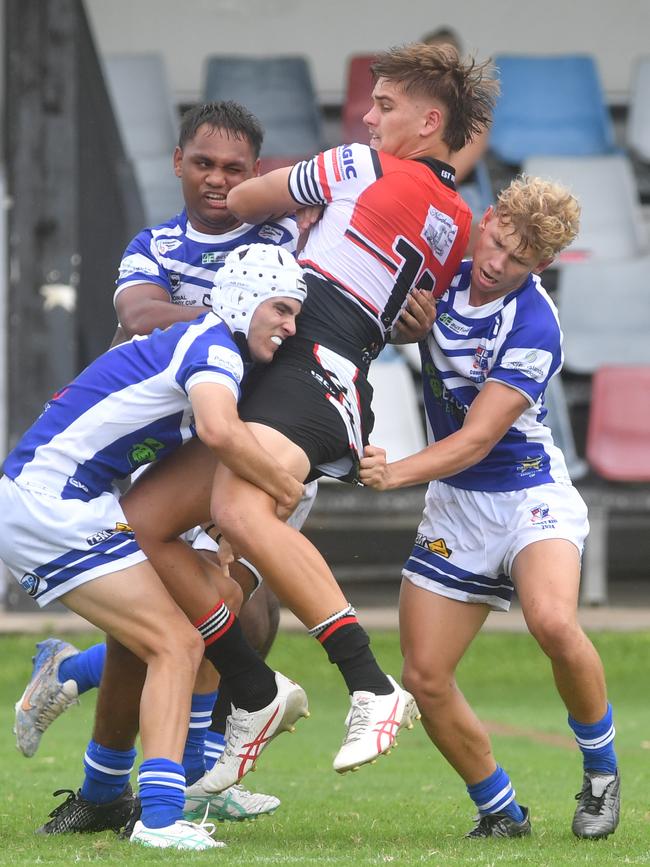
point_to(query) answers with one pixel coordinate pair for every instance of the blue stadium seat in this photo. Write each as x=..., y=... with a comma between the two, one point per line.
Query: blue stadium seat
x=550, y=105
x=279, y=91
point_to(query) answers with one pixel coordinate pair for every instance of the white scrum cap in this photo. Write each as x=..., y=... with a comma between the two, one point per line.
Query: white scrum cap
x=250, y=275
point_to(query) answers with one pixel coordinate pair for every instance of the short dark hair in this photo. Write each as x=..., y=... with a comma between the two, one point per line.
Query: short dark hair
x=229, y=116
x=467, y=89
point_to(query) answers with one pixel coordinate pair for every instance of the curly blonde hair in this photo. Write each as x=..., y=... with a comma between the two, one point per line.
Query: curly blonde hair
x=545, y=215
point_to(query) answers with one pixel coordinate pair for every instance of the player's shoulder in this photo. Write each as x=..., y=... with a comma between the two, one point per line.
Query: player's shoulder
x=173, y=229
x=533, y=307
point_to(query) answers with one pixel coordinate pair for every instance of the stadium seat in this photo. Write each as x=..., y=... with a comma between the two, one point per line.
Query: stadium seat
x=604, y=312
x=357, y=99
x=618, y=450
x=618, y=433
x=559, y=420
x=279, y=90
x=549, y=105
x=638, y=119
x=611, y=223
x=146, y=117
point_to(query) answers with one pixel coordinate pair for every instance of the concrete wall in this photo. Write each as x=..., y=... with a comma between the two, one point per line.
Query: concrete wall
x=328, y=32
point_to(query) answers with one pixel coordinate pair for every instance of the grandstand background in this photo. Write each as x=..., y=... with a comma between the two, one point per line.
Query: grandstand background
x=82, y=171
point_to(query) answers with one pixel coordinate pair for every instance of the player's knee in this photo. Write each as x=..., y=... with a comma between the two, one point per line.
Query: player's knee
x=555, y=633
x=178, y=644
x=426, y=684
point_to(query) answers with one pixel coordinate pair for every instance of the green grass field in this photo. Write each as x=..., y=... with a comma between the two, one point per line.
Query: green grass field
x=409, y=808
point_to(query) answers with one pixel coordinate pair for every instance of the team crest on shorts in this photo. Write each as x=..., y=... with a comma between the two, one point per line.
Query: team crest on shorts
x=436, y=546
x=540, y=515
x=32, y=583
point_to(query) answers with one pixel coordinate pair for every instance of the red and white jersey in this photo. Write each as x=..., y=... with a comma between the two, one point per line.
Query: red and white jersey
x=390, y=225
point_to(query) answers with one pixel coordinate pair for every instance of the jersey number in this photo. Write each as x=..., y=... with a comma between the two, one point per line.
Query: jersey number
x=405, y=277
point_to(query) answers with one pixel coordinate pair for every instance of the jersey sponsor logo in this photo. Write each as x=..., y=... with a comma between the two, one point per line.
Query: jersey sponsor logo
x=529, y=466
x=212, y=257
x=103, y=535
x=436, y=546
x=442, y=394
x=226, y=359
x=136, y=263
x=77, y=484
x=453, y=324
x=270, y=233
x=144, y=452
x=440, y=233
x=346, y=162
x=32, y=584
x=532, y=363
x=540, y=516
x=166, y=245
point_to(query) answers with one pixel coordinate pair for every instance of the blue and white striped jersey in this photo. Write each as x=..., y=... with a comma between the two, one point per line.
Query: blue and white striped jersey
x=128, y=408
x=183, y=261
x=515, y=340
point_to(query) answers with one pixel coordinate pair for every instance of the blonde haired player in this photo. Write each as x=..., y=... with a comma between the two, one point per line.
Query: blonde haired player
x=500, y=510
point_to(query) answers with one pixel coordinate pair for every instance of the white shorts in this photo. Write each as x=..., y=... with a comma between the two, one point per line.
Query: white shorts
x=202, y=541
x=467, y=540
x=52, y=545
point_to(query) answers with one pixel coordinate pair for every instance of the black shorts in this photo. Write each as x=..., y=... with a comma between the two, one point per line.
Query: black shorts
x=317, y=399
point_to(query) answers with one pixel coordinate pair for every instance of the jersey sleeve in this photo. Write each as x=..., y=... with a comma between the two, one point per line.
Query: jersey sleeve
x=210, y=359
x=341, y=171
x=140, y=265
x=529, y=356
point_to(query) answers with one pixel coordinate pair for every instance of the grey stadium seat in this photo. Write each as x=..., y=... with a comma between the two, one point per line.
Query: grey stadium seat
x=148, y=124
x=279, y=91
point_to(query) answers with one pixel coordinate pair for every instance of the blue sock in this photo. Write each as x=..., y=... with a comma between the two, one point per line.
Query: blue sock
x=161, y=785
x=596, y=741
x=496, y=795
x=200, y=719
x=107, y=773
x=85, y=668
x=214, y=746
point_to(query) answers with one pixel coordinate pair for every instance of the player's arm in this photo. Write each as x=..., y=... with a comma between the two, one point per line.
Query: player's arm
x=263, y=198
x=142, y=307
x=218, y=425
x=492, y=413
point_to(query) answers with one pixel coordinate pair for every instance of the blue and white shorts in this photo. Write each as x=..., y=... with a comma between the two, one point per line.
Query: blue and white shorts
x=52, y=545
x=467, y=540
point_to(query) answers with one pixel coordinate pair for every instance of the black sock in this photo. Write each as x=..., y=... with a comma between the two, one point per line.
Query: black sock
x=250, y=681
x=221, y=710
x=348, y=646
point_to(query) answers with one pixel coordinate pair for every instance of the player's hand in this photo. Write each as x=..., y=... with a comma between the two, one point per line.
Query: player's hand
x=416, y=319
x=225, y=555
x=306, y=217
x=284, y=510
x=374, y=471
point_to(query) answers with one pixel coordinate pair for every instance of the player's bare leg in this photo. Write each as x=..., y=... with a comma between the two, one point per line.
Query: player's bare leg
x=302, y=580
x=547, y=577
x=435, y=632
